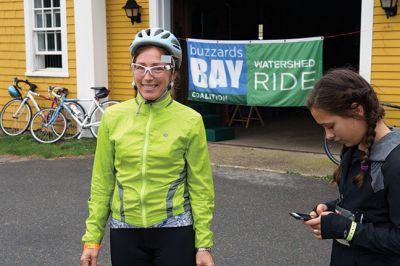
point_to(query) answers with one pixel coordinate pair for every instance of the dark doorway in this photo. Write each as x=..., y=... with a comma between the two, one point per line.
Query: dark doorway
x=337, y=21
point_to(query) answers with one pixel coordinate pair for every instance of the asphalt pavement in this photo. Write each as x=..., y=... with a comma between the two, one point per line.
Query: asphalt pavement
x=43, y=209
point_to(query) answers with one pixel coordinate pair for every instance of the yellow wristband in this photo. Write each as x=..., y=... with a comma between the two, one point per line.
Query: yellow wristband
x=352, y=231
x=87, y=246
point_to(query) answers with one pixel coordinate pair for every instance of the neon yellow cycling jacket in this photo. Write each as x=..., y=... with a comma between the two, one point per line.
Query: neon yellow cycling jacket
x=151, y=163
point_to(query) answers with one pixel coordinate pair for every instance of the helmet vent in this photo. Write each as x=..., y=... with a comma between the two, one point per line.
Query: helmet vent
x=148, y=31
x=158, y=31
x=166, y=36
x=140, y=35
x=175, y=43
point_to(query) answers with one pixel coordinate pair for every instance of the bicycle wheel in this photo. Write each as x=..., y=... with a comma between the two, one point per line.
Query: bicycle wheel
x=332, y=150
x=48, y=127
x=73, y=129
x=15, y=118
x=95, y=117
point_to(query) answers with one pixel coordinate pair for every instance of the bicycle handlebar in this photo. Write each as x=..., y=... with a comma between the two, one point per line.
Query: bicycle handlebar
x=32, y=87
x=58, y=92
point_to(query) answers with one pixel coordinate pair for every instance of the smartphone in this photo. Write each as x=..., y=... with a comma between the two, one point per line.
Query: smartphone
x=300, y=216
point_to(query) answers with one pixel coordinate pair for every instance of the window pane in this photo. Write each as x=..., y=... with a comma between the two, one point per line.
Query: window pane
x=47, y=16
x=50, y=41
x=48, y=20
x=53, y=61
x=38, y=3
x=41, y=41
x=39, y=61
x=47, y=3
x=58, y=35
x=38, y=19
x=57, y=20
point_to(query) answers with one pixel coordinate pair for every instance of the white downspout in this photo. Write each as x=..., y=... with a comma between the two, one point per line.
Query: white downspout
x=367, y=23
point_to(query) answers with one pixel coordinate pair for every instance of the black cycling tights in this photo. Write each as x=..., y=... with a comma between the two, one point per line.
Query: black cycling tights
x=153, y=247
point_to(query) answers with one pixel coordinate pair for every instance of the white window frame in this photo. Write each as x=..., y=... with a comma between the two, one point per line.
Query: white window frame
x=160, y=14
x=31, y=43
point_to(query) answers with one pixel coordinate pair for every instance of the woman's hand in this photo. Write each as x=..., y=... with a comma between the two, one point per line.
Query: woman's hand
x=204, y=258
x=89, y=257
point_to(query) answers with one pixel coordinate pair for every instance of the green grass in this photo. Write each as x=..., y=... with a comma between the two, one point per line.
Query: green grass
x=327, y=178
x=26, y=145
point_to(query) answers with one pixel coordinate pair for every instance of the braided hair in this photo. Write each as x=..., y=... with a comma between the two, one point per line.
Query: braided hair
x=337, y=92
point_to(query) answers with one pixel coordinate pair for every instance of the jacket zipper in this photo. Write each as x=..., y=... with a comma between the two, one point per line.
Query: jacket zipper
x=146, y=144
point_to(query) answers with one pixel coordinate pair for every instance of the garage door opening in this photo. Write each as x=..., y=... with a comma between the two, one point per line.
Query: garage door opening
x=337, y=21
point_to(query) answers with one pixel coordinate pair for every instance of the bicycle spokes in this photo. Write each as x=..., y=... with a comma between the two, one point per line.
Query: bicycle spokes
x=48, y=126
x=15, y=117
x=95, y=118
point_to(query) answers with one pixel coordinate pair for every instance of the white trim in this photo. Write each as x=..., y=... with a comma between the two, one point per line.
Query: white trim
x=47, y=73
x=91, y=46
x=29, y=23
x=64, y=41
x=367, y=23
x=160, y=14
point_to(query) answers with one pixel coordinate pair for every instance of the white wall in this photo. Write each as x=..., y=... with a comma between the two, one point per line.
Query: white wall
x=91, y=46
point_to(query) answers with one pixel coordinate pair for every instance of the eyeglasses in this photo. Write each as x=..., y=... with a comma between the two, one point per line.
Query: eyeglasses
x=155, y=71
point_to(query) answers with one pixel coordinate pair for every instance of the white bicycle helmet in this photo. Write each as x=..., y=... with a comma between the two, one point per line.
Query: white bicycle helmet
x=157, y=37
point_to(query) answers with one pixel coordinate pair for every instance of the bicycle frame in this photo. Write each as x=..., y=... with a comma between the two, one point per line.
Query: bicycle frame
x=94, y=103
x=30, y=96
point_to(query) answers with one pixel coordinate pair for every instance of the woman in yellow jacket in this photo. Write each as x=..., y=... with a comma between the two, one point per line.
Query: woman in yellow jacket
x=151, y=169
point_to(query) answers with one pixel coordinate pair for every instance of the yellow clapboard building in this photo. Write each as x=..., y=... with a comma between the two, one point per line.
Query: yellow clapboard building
x=385, y=60
x=80, y=44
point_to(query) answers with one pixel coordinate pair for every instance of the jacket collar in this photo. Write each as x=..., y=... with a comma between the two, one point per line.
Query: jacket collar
x=157, y=105
x=385, y=145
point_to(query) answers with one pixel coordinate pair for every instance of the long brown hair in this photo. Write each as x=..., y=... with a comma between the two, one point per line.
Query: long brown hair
x=336, y=92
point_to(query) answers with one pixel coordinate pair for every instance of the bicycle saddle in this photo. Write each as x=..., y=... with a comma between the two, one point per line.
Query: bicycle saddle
x=101, y=92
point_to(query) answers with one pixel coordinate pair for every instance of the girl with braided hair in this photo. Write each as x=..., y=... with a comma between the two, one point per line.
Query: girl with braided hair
x=365, y=220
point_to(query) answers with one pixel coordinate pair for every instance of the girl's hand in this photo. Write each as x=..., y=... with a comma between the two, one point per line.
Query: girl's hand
x=315, y=225
x=320, y=209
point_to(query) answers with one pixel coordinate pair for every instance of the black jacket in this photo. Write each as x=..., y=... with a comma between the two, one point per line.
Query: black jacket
x=375, y=207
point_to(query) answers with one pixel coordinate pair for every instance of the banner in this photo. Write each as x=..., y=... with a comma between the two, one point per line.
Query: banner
x=254, y=73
